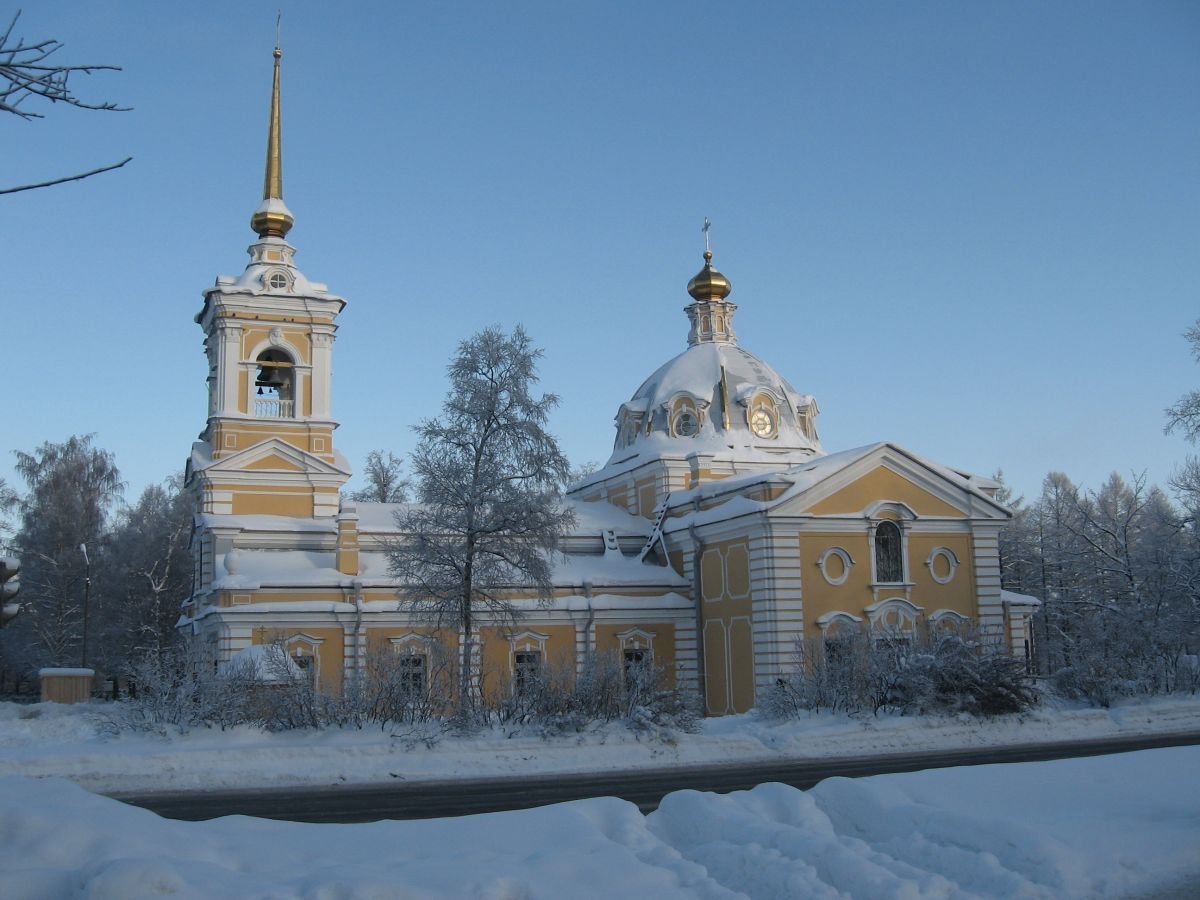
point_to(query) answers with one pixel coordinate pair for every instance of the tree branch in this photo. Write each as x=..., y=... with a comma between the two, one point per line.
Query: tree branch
x=80, y=177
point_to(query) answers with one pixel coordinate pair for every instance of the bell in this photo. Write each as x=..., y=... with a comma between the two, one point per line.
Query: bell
x=271, y=377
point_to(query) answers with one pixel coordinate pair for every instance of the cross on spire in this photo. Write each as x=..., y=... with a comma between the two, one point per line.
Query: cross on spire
x=705, y=227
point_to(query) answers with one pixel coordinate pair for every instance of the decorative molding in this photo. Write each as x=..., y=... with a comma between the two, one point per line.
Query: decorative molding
x=847, y=565
x=895, y=614
x=951, y=562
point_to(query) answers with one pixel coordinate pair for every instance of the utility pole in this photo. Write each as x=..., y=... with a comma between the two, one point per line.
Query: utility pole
x=87, y=602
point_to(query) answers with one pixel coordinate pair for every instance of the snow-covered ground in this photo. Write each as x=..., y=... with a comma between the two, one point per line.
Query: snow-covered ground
x=1112, y=826
x=70, y=742
x=1126, y=825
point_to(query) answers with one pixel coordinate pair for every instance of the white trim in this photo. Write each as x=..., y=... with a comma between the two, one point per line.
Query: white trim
x=907, y=612
x=939, y=615
x=951, y=560
x=847, y=564
x=825, y=620
x=636, y=639
x=873, y=526
x=405, y=642
x=527, y=642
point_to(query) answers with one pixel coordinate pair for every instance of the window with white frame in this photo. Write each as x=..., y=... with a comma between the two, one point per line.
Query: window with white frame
x=893, y=620
x=413, y=669
x=527, y=671
x=889, y=553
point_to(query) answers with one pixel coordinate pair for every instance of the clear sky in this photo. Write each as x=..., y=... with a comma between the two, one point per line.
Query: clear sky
x=968, y=228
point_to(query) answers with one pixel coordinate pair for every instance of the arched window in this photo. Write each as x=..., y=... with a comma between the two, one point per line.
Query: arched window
x=889, y=553
x=275, y=383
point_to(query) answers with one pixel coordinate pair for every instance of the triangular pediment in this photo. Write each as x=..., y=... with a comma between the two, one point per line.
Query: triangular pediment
x=886, y=478
x=274, y=455
x=274, y=462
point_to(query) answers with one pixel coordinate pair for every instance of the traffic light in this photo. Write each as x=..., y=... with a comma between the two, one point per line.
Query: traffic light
x=9, y=588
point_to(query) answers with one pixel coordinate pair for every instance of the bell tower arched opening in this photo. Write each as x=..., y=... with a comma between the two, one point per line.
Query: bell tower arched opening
x=275, y=385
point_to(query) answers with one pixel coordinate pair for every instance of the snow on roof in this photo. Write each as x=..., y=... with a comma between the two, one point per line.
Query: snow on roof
x=244, y=569
x=697, y=372
x=266, y=523
x=612, y=568
x=248, y=569
x=590, y=518
x=1012, y=598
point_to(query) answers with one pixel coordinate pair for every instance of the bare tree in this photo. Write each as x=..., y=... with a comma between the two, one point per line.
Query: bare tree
x=488, y=476
x=27, y=70
x=385, y=484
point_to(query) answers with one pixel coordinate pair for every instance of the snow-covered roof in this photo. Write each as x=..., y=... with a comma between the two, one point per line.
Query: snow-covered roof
x=696, y=373
x=250, y=569
x=590, y=518
x=1012, y=598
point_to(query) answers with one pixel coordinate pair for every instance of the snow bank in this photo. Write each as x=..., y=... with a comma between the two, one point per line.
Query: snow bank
x=74, y=742
x=1103, y=826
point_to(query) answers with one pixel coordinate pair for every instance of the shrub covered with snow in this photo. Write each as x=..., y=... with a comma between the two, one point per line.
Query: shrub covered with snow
x=946, y=673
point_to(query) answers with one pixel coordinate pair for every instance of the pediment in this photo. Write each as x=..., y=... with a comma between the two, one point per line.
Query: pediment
x=275, y=455
x=890, y=480
x=275, y=462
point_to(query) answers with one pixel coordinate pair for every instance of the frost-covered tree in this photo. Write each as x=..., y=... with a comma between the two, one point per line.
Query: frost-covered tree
x=71, y=488
x=147, y=574
x=488, y=476
x=9, y=501
x=1120, y=569
x=385, y=483
x=1019, y=563
x=27, y=72
x=1185, y=413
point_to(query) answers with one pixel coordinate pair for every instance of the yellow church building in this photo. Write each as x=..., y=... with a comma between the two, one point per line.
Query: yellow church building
x=717, y=537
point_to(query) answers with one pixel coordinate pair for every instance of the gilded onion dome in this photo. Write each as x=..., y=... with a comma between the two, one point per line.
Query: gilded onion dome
x=708, y=283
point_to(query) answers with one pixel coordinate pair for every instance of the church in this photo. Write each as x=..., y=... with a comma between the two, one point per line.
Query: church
x=717, y=538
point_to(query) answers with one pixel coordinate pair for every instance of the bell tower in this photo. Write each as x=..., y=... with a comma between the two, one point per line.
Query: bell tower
x=267, y=448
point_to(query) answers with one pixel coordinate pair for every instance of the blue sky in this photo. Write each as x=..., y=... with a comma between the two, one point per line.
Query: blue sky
x=970, y=229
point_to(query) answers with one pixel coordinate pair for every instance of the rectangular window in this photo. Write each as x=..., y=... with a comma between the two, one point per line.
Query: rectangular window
x=412, y=675
x=633, y=661
x=527, y=671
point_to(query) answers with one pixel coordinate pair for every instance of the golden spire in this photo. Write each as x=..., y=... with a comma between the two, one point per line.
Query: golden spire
x=272, y=218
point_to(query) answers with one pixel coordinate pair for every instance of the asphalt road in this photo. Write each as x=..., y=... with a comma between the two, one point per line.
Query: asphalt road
x=645, y=787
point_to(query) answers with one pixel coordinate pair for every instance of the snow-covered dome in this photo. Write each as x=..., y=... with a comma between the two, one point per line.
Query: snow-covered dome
x=716, y=397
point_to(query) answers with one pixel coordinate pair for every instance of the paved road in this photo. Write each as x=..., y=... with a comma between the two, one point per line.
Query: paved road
x=645, y=787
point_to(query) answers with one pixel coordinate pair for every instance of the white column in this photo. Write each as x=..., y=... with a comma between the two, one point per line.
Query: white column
x=322, y=374
x=775, y=585
x=229, y=358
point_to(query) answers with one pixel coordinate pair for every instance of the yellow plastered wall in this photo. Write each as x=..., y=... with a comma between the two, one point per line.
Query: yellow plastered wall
x=347, y=548
x=882, y=483
x=442, y=649
x=662, y=644
x=329, y=651
x=646, y=498
x=726, y=614
x=855, y=594
x=958, y=593
x=496, y=662
x=821, y=597
x=296, y=337
x=268, y=501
